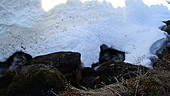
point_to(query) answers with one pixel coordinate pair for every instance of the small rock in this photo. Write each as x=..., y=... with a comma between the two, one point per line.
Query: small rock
x=18, y=59
x=108, y=53
x=168, y=29
x=14, y=61
x=167, y=22
x=168, y=26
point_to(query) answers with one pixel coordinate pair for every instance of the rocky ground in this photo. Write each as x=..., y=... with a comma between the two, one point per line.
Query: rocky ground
x=62, y=74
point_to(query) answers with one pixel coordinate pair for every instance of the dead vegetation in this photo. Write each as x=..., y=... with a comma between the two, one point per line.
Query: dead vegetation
x=153, y=83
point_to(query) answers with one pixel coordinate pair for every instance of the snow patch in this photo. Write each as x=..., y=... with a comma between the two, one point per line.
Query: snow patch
x=82, y=26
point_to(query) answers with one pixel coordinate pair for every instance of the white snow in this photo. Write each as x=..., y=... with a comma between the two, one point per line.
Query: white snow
x=44, y=26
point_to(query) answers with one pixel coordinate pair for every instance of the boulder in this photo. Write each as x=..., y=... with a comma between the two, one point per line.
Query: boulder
x=38, y=82
x=88, y=77
x=113, y=71
x=163, y=64
x=68, y=63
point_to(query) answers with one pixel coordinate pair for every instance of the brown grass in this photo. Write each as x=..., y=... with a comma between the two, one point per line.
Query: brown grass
x=153, y=83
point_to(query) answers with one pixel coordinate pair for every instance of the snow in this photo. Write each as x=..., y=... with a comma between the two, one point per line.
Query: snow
x=44, y=26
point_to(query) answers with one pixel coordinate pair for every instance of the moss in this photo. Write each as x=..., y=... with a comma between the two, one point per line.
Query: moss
x=7, y=79
x=35, y=81
x=18, y=86
x=45, y=77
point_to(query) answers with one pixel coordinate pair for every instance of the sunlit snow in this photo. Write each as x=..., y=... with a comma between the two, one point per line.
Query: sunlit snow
x=44, y=26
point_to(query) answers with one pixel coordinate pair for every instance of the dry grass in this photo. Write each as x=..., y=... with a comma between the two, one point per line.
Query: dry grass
x=117, y=89
x=152, y=83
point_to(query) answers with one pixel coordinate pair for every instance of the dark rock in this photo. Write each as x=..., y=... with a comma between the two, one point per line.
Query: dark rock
x=95, y=65
x=163, y=27
x=167, y=22
x=164, y=53
x=68, y=63
x=25, y=69
x=112, y=71
x=18, y=59
x=38, y=82
x=3, y=68
x=3, y=92
x=163, y=64
x=3, y=65
x=7, y=78
x=108, y=53
x=5, y=81
x=168, y=29
x=2, y=71
x=14, y=61
x=88, y=77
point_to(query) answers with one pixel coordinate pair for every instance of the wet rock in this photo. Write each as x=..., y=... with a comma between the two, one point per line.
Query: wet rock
x=108, y=53
x=14, y=61
x=163, y=64
x=38, y=82
x=88, y=77
x=113, y=71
